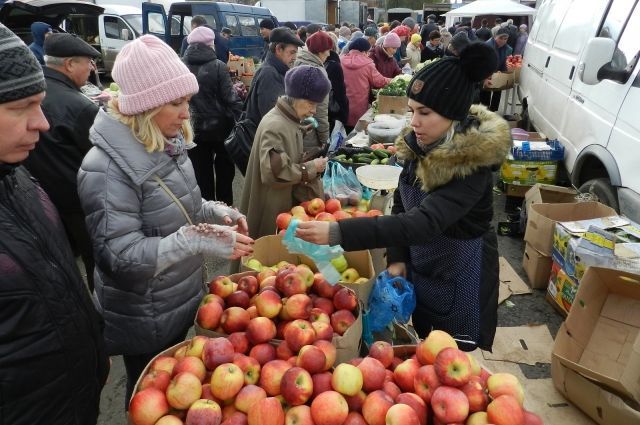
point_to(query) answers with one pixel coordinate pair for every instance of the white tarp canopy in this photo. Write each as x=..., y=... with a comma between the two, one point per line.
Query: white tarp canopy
x=490, y=7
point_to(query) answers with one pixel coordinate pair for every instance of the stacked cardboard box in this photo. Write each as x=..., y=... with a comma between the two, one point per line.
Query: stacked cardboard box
x=596, y=355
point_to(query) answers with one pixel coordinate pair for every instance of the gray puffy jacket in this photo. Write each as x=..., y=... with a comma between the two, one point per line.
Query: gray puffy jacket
x=127, y=213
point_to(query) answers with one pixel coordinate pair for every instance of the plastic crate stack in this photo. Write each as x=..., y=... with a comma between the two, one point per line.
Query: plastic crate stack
x=532, y=160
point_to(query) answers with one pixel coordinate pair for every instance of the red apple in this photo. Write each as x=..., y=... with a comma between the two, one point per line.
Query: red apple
x=267, y=282
x=209, y=315
x=283, y=220
x=204, y=411
x=298, y=306
x=207, y=394
x=505, y=384
x=401, y=414
x=298, y=415
x=260, y=329
x=147, y=406
x=404, y=373
x=247, y=396
x=264, y=273
x=505, y=410
x=316, y=206
x=354, y=418
x=355, y=361
x=332, y=205
x=158, y=379
x=416, y=403
x=169, y=420
x=395, y=362
x=324, y=331
x=166, y=363
x=195, y=346
x=318, y=315
x=235, y=319
x=183, y=390
x=263, y=353
x=221, y=286
x=325, y=216
x=391, y=389
x=269, y=304
x=192, y=365
x=347, y=379
x=322, y=287
x=375, y=407
x=321, y=383
x=283, y=352
x=452, y=367
x=267, y=411
x=292, y=283
x=238, y=299
x=449, y=405
x=531, y=418
x=329, y=408
x=356, y=401
x=345, y=299
x=282, y=272
x=298, y=334
x=250, y=368
x=478, y=398
x=217, y=351
x=341, y=320
x=311, y=358
x=341, y=215
x=383, y=352
x=427, y=350
x=373, y=373
x=237, y=418
x=239, y=341
x=250, y=284
x=306, y=274
x=324, y=304
x=296, y=386
x=478, y=418
x=271, y=376
x=484, y=377
x=228, y=410
x=425, y=382
x=330, y=352
x=226, y=381
x=374, y=213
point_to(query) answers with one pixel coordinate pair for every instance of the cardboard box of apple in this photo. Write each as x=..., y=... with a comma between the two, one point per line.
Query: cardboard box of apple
x=293, y=304
x=207, y=381
x=329, y=210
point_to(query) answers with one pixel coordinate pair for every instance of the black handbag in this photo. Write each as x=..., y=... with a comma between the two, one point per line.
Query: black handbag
x=334, y=106
x=238, y=143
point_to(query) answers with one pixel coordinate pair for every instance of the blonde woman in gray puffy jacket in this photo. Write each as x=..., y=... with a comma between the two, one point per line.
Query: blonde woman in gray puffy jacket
x=144, y=210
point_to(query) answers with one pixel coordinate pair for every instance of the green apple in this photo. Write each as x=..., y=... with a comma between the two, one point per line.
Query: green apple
x=114, y=87
x=350, y=275
x=254, y=264
x=340, y=263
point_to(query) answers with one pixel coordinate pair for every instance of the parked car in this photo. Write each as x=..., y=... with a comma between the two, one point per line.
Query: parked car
x=243, y=21
x=580, y=84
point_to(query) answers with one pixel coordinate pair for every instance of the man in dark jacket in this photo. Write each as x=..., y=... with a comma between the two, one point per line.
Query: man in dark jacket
x=266, y=26
x=214, y=109
x=56, y=160
x=268, y=83
x=39, y=31
x=52, y=360
x=429, y=27
x=484, y=32
x=491, y=99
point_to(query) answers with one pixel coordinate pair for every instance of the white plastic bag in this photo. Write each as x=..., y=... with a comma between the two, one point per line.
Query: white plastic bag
x=338, y=136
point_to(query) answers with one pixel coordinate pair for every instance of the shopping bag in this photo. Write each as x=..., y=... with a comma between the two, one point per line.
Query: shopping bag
x=338, y=137
x=342, y=184
x=392, y=299
x=239, y=142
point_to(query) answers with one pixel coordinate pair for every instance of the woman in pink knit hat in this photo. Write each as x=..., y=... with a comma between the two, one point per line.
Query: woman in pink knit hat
x=383, y=56
x=149, y=225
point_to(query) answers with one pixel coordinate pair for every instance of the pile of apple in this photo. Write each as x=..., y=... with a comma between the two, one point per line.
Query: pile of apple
x=514, y=61
x=207, y=382
x=329, y=210
x=347, y=274
x=389, y=148
x=293, y=304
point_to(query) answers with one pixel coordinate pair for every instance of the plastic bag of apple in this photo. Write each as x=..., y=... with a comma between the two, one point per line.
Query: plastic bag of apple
x=329, y=210
x=203, y=381
x=260, y=310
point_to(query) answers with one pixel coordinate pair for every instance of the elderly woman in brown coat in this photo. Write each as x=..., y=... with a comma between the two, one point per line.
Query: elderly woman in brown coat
x=279, y=175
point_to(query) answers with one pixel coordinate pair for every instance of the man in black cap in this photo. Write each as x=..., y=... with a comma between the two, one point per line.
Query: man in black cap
x=491, y=99
x=52, y=359
x=431, y=25
x=266, y=26
x=56, y=160
x=268, y=83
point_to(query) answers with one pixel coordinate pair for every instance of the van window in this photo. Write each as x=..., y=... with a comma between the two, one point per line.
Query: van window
x=248, y=25
x=556, y=10
x=623, y=25
x=232, y=24
x=84, y=26
x=113, y=26
x=574, y=27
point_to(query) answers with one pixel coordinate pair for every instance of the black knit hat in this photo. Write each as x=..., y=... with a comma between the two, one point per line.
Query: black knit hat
x=20, y=73
x=447, y=85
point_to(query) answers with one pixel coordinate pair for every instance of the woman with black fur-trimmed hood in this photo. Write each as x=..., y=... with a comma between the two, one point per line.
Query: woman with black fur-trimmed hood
x=440, y=233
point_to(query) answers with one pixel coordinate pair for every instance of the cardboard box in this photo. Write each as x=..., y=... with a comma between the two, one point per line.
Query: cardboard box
x=269, y=250
x=500, y=81
x=516, y=190
x=347, y=345
x=601, y=405
x=562, y=288
x=393, y=104
x=537, y=266
x=246, y=79
x=601, y=337
x=549, y=194
x=542, y=218
x=528, y=172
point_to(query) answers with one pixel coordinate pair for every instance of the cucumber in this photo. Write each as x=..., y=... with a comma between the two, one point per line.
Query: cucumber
x=384, y=161
x=375, y=162
x=381, y=153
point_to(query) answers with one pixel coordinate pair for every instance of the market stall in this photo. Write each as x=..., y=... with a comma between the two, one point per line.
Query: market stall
x=489, y=7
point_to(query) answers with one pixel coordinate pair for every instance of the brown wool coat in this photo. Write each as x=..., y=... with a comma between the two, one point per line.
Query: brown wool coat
x=265, y=195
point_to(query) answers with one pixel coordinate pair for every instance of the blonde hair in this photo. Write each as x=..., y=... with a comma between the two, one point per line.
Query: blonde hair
x=144, y=128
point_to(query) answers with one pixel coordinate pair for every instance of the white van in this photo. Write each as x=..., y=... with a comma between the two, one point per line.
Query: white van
x=580, y=84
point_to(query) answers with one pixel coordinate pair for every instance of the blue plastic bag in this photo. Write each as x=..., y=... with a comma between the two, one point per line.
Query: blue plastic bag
x=392, y=298
x=320, y=254
x=341, y=183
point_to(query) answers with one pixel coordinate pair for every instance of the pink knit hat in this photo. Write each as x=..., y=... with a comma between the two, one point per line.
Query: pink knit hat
x=391, y=40
x=150, y=74
x=201, y=35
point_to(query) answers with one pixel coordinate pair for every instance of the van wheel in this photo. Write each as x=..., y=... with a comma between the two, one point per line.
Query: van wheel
x=603, y=190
